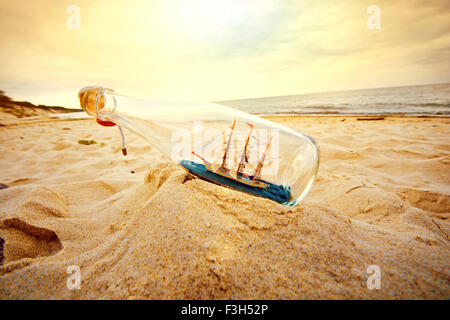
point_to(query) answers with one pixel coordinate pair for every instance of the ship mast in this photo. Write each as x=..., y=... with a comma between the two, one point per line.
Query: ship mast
x=260, y=163
x=228, y=146
x=244, y=153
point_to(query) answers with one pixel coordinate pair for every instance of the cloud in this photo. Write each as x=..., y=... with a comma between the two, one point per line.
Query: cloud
x=270, y=48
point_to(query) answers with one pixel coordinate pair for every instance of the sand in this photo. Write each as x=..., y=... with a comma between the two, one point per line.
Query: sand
x=140, y=227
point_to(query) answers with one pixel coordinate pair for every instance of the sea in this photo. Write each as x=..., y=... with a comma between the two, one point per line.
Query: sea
x=411, y=100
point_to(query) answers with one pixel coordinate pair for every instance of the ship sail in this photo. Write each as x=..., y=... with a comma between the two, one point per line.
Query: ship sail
x=227, y=150
x=244, y=156
x=257, y=173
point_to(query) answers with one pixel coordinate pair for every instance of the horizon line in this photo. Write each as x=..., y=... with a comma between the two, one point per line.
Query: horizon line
x=332, y=91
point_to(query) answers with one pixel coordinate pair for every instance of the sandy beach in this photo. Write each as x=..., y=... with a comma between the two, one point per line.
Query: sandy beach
x=140, y=227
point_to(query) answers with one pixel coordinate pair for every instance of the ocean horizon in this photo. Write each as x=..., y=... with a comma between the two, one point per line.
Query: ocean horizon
x=431, y=99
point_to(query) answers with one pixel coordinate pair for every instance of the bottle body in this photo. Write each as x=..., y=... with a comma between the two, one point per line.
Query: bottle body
x=217, y=143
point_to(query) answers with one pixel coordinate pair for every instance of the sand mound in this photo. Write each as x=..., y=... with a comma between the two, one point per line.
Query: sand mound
x=142, y=227
x=428, y=201
x=24, y=240
x=20, y=109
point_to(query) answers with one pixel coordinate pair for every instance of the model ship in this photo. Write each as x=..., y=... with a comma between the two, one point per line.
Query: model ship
x=235, y=174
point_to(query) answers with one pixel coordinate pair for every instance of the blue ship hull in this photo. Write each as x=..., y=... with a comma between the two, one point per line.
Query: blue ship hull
x=273, y=191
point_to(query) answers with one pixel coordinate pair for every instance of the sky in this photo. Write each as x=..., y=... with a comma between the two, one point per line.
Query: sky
x=219, y=50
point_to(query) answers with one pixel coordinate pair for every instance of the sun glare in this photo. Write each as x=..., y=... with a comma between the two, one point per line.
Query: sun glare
x=203, y=18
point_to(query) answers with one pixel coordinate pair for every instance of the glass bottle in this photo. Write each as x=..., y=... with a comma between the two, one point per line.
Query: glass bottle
x=215, y=142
